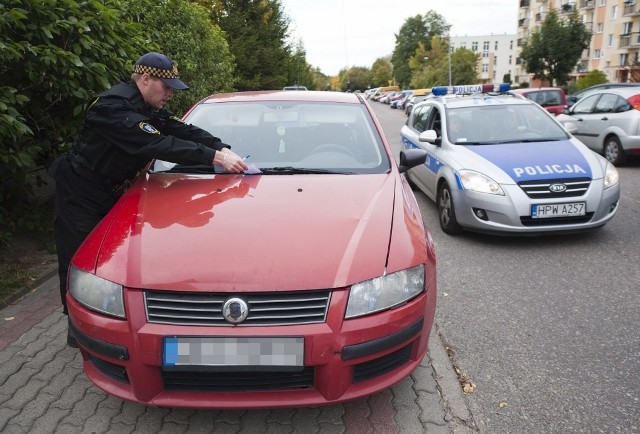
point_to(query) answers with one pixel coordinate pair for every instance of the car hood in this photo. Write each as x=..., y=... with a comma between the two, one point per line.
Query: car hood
x=247, y=233
x=518, y=162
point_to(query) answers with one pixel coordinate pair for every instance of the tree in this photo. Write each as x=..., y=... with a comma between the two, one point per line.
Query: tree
x=54, y=55
x=553, y=51
x=381, y=73
x=431, y=68
x=354, y=78
x=257, y=32
x=415, y=30
x=591, y=78
x=205, y=63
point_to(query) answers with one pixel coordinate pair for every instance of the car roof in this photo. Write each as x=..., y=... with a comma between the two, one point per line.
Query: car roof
x=622, y=91
x=457, y=101
x=285, y=95
x=535, y=89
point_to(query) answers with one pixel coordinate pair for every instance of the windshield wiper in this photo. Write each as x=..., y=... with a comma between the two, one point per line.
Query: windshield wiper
x=196, y=168
x=289, y=170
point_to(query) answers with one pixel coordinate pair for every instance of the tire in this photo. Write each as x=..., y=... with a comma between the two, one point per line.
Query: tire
x=613, y=151
x=446, y=210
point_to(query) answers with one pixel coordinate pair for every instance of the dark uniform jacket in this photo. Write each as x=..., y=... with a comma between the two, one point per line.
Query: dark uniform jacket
x=121, y=134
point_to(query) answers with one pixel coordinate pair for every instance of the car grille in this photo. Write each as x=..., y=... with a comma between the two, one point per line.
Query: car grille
x=540, y=189
x=238, y=381
x=273, y=308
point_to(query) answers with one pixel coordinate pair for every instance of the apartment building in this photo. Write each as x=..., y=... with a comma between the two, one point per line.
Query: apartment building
x=497, y=55
x=615, y=44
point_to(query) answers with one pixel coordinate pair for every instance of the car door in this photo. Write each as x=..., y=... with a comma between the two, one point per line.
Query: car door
x=416, y=124
x=588, y=121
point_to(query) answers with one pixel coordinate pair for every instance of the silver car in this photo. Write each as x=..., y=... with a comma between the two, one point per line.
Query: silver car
x=608, y=122
x=498, y=163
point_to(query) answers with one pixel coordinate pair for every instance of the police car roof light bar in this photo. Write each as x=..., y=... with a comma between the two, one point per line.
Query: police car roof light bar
x=469, y=89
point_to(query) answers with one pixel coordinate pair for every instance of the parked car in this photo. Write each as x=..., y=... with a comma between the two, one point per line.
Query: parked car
x=308, y=280
x=501, y=164
x=608, y=122
x=413, y=101
x=400, y=96
x=575, y=97
x=553, y=99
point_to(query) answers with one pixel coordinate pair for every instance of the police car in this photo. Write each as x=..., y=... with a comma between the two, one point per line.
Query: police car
x=499, y=163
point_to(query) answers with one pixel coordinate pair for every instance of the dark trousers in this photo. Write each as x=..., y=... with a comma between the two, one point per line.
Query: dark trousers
x=80, y=204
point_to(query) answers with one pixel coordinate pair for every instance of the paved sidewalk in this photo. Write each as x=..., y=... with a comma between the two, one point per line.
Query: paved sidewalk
x=43, y=389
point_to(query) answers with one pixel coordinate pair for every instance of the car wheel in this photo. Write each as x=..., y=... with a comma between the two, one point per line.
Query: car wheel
x=613, y=151
x=446, y=210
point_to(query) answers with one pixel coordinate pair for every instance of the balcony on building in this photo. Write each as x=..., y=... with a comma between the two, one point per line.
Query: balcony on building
x=587, y=4
x=630, y=41
x=631, y=9
x=523, y=22
x=524, y=3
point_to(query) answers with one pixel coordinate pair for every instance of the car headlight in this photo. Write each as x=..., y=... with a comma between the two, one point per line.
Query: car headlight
x=611, y=176
x=476, y=181
x=385, y=292
x=96, y=293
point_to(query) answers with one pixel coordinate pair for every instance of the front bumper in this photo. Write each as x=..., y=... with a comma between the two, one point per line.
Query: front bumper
x=510, y=213
x=343, y=359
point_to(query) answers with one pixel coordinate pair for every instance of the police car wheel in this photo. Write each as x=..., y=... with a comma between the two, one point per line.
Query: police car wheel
x=446, y=211
x=613, y=151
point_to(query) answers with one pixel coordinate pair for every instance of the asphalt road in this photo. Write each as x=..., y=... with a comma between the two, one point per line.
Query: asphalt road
x=547, y=328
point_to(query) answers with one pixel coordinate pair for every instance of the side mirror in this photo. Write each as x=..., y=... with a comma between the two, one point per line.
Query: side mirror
x=411, y=158
x=571, y=127
x=429, y=136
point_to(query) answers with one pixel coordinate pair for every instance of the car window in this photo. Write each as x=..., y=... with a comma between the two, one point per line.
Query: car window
x=501, y=124
x=585, y=105
x=297, y=134
x=420, y=119
x=606, y=103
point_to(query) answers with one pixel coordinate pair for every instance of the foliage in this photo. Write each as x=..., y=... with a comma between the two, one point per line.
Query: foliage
x=54, y=55
x=354, y=78
x=381, y=73
x=415, y=30
x=257, y=33
x=552, y=52
x=205, y=63
x=299, y=71
x=591, y=78
x=431, y=68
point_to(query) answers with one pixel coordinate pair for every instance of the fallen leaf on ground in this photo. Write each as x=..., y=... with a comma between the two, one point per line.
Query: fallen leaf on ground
x=503, y=404
x=10, y=318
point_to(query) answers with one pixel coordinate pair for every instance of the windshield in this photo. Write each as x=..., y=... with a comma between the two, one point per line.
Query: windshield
x=502, y=124
x=293, y=137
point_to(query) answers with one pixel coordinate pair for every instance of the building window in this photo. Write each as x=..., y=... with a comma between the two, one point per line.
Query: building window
x=474, y=46
x=597, y=53
x=603, y=2
x=510, y=59
x=614, y=12
x=495, y=46
x=599, y=27
x=623, y=59
x=511, y=45
x=610, y=42
x=627, y=28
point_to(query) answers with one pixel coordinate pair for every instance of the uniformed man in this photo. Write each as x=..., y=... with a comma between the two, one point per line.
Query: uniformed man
x=124, y=128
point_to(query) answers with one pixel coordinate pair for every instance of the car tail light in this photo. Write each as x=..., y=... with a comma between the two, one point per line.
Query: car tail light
x=634, y=101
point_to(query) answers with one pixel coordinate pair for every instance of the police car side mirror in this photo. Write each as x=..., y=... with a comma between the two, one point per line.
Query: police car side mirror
x=411, y=158
x=429, y=136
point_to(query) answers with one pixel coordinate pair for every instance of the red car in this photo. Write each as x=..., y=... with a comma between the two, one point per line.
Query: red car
x=308, y=280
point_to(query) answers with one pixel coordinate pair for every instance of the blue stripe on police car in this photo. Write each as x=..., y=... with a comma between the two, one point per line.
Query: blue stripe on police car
x=535, y=161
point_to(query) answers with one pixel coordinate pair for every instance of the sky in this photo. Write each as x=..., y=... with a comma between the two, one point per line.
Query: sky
x=337, y=34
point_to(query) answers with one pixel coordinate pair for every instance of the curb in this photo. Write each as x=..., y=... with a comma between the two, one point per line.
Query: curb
x=45, y=275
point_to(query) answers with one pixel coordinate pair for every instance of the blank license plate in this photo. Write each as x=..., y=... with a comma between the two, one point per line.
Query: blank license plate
x=242, y=351
x=558, y=210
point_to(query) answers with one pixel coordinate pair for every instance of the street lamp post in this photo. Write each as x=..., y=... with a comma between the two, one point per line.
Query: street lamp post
x=449, y=51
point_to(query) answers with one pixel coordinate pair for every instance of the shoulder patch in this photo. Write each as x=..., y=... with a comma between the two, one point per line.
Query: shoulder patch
x=177, y=119
x=148, y=128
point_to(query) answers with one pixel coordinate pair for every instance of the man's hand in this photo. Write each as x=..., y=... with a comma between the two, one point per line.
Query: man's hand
x=230, y=161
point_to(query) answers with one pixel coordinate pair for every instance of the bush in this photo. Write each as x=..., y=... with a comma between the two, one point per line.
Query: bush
x=54, y=55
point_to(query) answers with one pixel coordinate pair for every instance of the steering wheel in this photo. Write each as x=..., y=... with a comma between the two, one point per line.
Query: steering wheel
x=333, y=147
